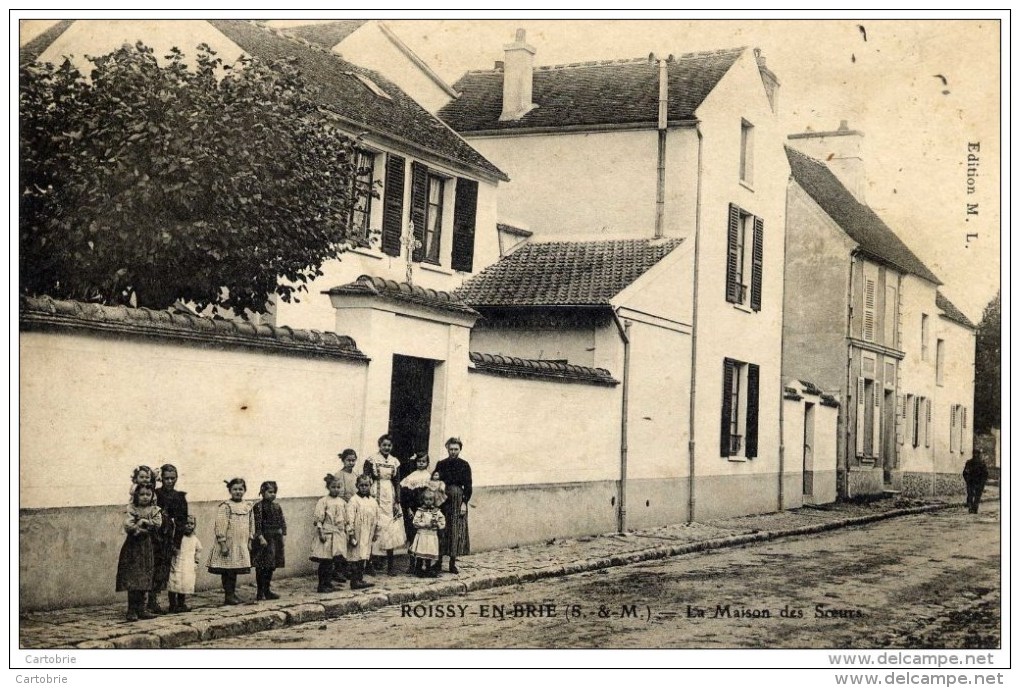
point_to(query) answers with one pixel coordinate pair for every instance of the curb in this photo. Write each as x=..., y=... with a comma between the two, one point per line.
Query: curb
x=185, y=633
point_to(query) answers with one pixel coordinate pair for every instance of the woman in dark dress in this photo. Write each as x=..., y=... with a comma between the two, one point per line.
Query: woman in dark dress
x=456, y=473
x=174, y=505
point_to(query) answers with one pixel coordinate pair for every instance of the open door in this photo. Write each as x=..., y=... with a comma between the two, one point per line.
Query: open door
x=411, y=406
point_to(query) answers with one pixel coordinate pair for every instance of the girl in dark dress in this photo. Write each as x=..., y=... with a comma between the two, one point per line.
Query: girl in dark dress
x=456, y=473
x=174, y=505
x=267, y=545
x=136, y=565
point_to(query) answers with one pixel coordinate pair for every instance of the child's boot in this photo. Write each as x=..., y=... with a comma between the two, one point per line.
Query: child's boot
x=339, y=567
x=325, y=573
x=270, y=595
x=182, y=604
x=132, y=612
x=154, y=607
x=358, y=576
x=230, y=589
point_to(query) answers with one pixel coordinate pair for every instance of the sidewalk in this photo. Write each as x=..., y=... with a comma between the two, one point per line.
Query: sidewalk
x=104, y=626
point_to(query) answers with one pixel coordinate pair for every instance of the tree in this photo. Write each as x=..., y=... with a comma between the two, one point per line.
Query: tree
x=987, y=369
x=145, y=183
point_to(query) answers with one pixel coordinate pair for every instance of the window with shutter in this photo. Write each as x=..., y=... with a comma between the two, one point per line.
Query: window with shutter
x=727, y=407
x=757, y=259
x=912, y=410
x=869, y=310
x=434, y=218
x=738, y=430
x=419, y=207
x=876, y=422
x=360, y=220
x=465, y=211
x=751, y=425
x=890, y=313
x=859, y=425
x=927, y=422
x=952, y=428
x=733, y=255
x=963, y=427
x=393, y=205
x=901, y=418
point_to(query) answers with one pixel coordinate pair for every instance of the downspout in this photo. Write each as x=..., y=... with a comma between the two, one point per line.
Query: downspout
x=782, y=351
x=621, y=514
x=849, y=381
x=694, y=337
x=660, y=183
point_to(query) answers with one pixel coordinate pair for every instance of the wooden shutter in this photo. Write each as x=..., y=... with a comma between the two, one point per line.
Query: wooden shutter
x=732, y=256
x=393, y=205
x=859, y=434
x=927, y=422
x=869, y=310
x=757, y=258
x=876, y=421
x=465, y=210
x=419, y=206
x=727, y=401
x=952, y=428
x=901, y=418
x=963, y=426
x=751, y=431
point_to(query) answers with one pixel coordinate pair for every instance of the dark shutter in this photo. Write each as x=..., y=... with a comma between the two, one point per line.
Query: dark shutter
x=751, y=432
x=393, y=205
x=465, y=209
x=757, y=255
x=419, y=206
x=732, y=257
x=727, y=402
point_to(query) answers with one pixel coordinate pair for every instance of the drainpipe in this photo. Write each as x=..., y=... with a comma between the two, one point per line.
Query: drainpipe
x=850, y=384
x=694, y=336
x=624, y=329
x=782, y=350
x=660, y=184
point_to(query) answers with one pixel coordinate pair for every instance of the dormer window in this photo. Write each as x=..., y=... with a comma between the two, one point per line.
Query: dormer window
x=370, y=85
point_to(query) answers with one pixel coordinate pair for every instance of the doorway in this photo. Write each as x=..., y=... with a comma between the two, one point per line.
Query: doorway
x=809, y=448
x=889, y=439
x=410, y=406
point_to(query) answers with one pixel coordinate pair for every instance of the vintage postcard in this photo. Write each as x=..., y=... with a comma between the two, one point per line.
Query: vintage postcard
x=379, y=332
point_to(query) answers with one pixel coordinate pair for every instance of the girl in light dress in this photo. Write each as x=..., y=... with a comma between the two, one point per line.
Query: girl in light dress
x=428, y=520
x=183, y=568
x=362, y=531
x=330, y=542
x=234, y=528
x=384, y=469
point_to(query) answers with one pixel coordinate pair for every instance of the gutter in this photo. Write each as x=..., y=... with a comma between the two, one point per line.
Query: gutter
x=575, y=128
x=694, y=337
x=624, y=330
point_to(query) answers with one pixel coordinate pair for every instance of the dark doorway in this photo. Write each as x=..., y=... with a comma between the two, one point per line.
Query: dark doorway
x=889, y=444
x=411, y=405
x=809, y=449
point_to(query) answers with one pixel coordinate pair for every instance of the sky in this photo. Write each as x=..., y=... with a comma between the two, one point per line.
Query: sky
x=922, y=91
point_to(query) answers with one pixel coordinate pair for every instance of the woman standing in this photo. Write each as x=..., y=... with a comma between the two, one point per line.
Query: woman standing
x=456, y=473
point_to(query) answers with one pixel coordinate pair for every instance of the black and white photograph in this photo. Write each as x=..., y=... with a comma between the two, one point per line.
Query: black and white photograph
x=361, y=331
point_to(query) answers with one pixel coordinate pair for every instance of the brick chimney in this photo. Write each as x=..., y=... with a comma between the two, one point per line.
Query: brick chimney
x=842, y=150
x=518, y=68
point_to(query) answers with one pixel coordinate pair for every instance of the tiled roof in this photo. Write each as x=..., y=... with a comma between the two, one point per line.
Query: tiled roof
x=856, y=219
x=46, y=313
x=952, y=312
x=399, y=117
x=591, y=93
x=402, y=291
x=575, y=273
x=31, y=51
x=329, y=34
x=556, y=370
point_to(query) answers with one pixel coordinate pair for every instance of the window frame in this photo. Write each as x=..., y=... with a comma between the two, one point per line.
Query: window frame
x=940, y=362
x=362, y=190
x=746, y=169
x=925, y=336
x=433, y=237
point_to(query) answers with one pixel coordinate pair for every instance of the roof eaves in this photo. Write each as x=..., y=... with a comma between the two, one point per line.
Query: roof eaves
x=559, y=371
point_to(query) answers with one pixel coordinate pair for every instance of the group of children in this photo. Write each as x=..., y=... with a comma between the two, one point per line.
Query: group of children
x=365, y=516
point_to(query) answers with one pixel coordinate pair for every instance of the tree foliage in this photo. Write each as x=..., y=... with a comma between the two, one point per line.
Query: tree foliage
x=987, y=369
x=146, y=183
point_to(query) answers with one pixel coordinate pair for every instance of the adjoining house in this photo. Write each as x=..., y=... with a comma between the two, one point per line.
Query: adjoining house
x=879, y=335
x=684, y=146
x=425, y=175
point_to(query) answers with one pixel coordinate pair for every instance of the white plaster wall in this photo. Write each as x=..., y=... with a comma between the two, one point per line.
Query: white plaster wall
x=957, y=388
x=92, y=409
x=587, y=183
x=724, y=330
x=576, y=345
x=527, y=431
x=370, y=48
x=917, y=376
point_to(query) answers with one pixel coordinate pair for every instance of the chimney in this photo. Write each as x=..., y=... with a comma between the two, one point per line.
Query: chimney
x=518, y=66
x=769, y=79
x=842, y=150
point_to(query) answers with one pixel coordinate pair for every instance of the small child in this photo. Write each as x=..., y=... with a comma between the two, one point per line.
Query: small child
x=136, y=566
x=267, y=546
x=428, y=520
x=142, y=475
x=347, y=476
x=183, y=568
x=234, y=528
x=362, y=530
x=329, y=544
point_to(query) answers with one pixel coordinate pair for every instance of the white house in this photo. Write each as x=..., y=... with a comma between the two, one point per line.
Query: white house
x=422, y=171
x=670, y=147
x=879, y=335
